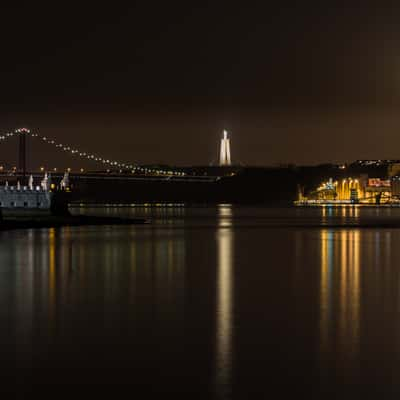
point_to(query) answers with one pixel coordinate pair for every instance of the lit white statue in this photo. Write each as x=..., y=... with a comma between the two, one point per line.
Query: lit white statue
x=225, y=150
x=45, y=181
x=65, y=181
x=30, y=183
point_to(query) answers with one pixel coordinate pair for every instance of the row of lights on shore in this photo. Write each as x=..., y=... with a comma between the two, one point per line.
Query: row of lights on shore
x=91, y=157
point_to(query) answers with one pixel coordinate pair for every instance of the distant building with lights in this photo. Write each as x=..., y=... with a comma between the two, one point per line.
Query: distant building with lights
x=225, y=151
x=348, y=190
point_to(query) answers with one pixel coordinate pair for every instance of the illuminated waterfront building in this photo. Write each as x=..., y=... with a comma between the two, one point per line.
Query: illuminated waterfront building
x=347, y=189
x=225, y=151
x=353, y=190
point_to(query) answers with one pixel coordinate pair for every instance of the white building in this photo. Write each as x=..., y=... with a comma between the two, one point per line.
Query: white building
x=31, y=199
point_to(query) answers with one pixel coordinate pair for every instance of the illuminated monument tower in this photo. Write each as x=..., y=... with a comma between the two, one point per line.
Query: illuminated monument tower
x=225, y=151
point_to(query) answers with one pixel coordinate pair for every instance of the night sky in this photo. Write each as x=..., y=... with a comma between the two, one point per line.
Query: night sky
x=156, y=82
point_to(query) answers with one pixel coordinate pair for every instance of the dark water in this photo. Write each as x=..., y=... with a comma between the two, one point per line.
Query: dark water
x=205, y=303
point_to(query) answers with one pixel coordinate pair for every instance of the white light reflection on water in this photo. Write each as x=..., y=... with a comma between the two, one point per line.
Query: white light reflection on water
x=225, y=289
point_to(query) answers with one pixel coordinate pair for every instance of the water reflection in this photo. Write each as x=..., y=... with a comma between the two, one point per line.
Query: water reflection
x=50, y=279
x=343, y=214
x=24, y=295
x=168, y=214
x=340, y=293
x=225, y=288
x=159, y=304
x=326, y=285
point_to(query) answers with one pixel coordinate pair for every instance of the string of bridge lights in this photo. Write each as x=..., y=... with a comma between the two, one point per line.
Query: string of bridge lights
x=85, y=155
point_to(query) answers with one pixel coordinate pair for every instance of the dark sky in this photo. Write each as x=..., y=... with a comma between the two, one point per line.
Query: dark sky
x=302, y=82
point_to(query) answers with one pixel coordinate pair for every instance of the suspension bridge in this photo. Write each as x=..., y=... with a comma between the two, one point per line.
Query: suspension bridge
x=104, y=168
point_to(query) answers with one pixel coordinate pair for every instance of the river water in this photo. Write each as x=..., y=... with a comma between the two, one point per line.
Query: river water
x=208, y=302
